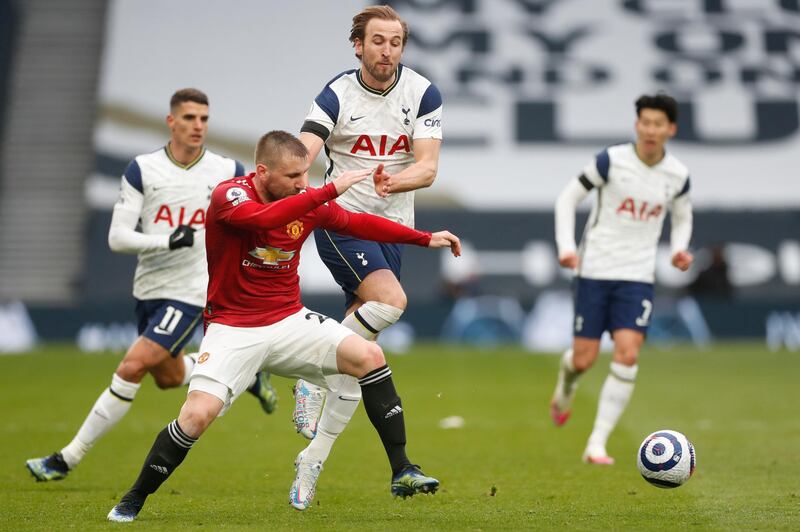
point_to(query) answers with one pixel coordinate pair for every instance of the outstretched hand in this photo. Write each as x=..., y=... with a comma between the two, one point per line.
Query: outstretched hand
x=382, y=180
x=446, y=239
x=350, y=178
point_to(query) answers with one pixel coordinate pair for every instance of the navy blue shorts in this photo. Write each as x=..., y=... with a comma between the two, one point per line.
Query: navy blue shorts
x=611, y=305
x=167, y=322
x=350, y=259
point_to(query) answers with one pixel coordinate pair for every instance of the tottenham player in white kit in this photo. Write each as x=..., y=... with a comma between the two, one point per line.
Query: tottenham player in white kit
x=167, y=192
x=615, y=265
x=381, y=114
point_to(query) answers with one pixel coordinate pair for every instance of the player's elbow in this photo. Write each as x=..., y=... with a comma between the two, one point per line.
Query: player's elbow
x=114, y=241
x=433, y=170
x=428, y=177
x=119, y=242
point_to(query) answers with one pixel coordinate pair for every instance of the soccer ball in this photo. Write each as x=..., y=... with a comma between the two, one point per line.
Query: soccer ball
x=666, y=459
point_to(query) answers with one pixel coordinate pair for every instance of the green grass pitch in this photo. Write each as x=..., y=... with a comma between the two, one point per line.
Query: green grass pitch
x=507, y=468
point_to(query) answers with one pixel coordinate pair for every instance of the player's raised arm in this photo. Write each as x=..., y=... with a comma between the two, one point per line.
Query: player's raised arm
x=350, y=178
x=277, y=192
x=232, y=205
x=378, y=229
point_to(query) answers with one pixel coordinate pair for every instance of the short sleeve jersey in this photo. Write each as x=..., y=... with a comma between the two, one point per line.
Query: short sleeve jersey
x=624, y=226
x=174, y=194
x=363, y=127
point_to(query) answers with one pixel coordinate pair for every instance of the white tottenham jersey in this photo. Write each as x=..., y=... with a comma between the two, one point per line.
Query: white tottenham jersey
x=363, y=127
x=166, y=194
x=624, y=226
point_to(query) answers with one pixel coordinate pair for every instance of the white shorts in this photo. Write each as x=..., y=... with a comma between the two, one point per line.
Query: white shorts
x=302, y=345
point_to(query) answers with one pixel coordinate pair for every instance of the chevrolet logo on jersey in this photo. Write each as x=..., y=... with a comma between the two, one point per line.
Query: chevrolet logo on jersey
x=272, y=256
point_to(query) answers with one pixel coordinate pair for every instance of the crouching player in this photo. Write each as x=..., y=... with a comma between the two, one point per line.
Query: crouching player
x=255, y=320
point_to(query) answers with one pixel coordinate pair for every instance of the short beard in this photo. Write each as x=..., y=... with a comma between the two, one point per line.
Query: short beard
x=382, y=78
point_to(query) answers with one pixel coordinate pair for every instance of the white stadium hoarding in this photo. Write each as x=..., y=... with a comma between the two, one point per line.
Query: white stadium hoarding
x=531, y=88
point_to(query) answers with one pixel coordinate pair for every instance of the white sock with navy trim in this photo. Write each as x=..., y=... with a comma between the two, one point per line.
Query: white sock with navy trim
x=371, y=318
x=614, y=398
x=110, y=407
x=340, y=405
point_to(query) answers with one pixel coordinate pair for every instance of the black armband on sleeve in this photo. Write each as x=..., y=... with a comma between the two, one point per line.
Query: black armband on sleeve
x=585, y=182
x=315, y=128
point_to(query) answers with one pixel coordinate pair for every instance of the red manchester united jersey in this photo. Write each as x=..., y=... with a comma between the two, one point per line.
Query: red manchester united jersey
x=254, y=248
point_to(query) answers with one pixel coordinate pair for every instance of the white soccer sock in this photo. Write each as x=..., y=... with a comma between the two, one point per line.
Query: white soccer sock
x=188, y=366
x=567, y=381
x=340, y=405
x=614, y=397
x=111, y=406
x=371, y=318
x=367, y=321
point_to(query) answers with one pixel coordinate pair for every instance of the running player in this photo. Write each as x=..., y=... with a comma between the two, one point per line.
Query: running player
x=167, y=192
x=385, y=113
x=615, y=265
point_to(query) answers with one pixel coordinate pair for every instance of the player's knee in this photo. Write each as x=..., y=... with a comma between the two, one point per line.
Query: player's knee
x=397, y=299
x=194, y=419
x=627, y=355
x=583, y=359
x=132, y=369
x=167, y=381
x=582, y=364
x=373, y=357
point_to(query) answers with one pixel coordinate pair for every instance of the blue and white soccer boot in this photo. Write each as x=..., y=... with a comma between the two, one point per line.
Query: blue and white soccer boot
x=308, y=401
x=304, y=486
x=411, y=481
x=265, y=392
x=51, y=467
x=126, y=509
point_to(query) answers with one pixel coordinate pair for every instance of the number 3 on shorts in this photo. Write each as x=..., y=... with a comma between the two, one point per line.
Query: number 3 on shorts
x=647, y=308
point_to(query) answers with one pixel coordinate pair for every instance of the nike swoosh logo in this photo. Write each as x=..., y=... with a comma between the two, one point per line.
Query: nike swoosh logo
x=178, y=236
x=348, y=399
x=353, y=119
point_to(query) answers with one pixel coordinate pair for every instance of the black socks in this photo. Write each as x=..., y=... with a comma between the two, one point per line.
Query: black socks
x=385, y=411
x=167, y=453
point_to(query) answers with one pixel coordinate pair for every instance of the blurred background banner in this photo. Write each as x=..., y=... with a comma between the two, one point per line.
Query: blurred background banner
x=532, y=89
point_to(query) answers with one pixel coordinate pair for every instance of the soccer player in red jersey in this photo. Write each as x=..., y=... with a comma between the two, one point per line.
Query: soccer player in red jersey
x=255, y=319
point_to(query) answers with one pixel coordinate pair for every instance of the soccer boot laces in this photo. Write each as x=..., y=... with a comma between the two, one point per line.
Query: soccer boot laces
x=304, y=486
